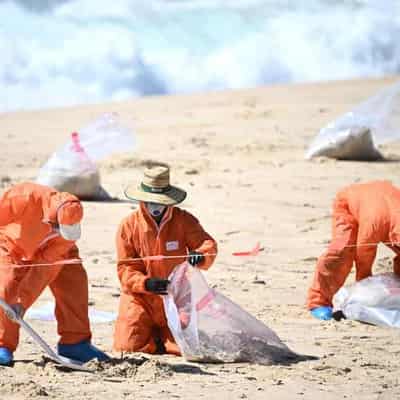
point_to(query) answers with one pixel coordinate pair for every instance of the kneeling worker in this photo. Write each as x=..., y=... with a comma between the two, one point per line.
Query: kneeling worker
x=156, y=228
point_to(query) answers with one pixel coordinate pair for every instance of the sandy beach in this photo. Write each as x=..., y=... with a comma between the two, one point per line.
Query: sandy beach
x=240, y=156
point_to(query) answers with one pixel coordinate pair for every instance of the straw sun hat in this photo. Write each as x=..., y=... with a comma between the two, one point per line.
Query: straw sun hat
x=155, y=188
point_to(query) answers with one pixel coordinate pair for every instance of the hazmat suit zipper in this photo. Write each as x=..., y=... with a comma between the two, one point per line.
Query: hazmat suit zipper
x=164, y=221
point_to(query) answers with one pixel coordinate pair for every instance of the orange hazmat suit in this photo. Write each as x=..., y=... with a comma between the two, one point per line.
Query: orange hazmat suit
x=141, y=318
x=363, y=216
x=27, y=212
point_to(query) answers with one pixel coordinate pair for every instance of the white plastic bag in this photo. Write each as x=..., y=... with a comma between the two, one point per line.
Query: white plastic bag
x=356, y=135
x=375, y=300
x=73, y=168
x=46, y=313
x=209, y=327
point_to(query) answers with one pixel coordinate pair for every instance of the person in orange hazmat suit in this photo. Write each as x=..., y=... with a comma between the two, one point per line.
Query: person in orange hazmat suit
x=40, y=225
x=156, y=228
x=363, y=215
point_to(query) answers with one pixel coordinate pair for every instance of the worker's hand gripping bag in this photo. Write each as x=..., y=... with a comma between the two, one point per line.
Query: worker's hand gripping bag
x=209, y=327
x=375, y=300
x=73, y=168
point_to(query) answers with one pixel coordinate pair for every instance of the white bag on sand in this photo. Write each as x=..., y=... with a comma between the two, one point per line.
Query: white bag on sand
x=46, y=312
x=348, y=144
x=72, y=169
x=375, y=300
x=209, y=327
x=356, y=135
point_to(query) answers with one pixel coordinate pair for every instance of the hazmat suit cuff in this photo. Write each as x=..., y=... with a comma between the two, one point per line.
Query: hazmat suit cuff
x=204, y=263
x=321, y=303
x=138, y=285
x=208, y=259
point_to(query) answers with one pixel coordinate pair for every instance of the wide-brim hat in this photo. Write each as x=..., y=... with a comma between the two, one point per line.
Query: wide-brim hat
x=156, y=188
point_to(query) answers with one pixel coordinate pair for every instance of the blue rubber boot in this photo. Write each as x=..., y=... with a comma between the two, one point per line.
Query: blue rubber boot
x=83, y=351
x=323, y=312
x=6, y=357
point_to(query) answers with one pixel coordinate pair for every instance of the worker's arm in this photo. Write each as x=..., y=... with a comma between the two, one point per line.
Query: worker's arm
x=367, y=244
x=396, y=261
x=198, y=240
x=132, y=274
x=394, y=237
x=12, y=208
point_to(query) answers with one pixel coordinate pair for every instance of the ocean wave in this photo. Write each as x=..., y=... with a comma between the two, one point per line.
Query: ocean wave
x=57, y=53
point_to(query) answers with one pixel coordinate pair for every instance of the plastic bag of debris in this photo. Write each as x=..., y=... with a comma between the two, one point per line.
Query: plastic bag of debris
x=357, y=134
x=375, y=300
x=73, y=168
x=208, y=327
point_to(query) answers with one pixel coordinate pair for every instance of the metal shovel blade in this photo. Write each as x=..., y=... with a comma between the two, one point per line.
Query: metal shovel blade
x=64, y=361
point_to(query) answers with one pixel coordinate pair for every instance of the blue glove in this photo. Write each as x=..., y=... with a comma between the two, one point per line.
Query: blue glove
x=323, y=312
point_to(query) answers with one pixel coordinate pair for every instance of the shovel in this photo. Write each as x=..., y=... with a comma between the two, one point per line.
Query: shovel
x=63, y=361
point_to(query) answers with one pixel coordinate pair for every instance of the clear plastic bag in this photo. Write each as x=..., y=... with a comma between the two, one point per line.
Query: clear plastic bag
x=375, y=300
x=356, y=134
x=208, y=327
x=73, y=168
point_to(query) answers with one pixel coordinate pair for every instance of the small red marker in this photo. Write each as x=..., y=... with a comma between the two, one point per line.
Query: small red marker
x=253, y=252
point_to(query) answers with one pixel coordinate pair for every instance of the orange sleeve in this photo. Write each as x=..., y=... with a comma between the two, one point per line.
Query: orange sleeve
x=197, y=239
x=394, y=231
x=367, y=241
x=132, y=274
x=57, y=249
x=394, y=238
x=11, y=208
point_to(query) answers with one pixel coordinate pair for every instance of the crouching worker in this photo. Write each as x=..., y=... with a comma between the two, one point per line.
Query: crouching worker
x=156, y=228
x=40, y=225
x=363, y=216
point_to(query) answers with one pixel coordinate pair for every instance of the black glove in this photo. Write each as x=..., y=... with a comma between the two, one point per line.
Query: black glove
x=195, y=258
x=156, y=285
x=338, y=315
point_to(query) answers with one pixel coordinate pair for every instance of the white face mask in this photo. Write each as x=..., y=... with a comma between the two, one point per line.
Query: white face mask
x=70, y=232
x=155, y=209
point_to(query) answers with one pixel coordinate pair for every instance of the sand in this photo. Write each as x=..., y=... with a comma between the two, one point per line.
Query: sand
x=240, y=156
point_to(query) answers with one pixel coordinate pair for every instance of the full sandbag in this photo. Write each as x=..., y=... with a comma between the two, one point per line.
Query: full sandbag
x=375, y=300
x=208, y=327
x=357, y=134
x=73, y=168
